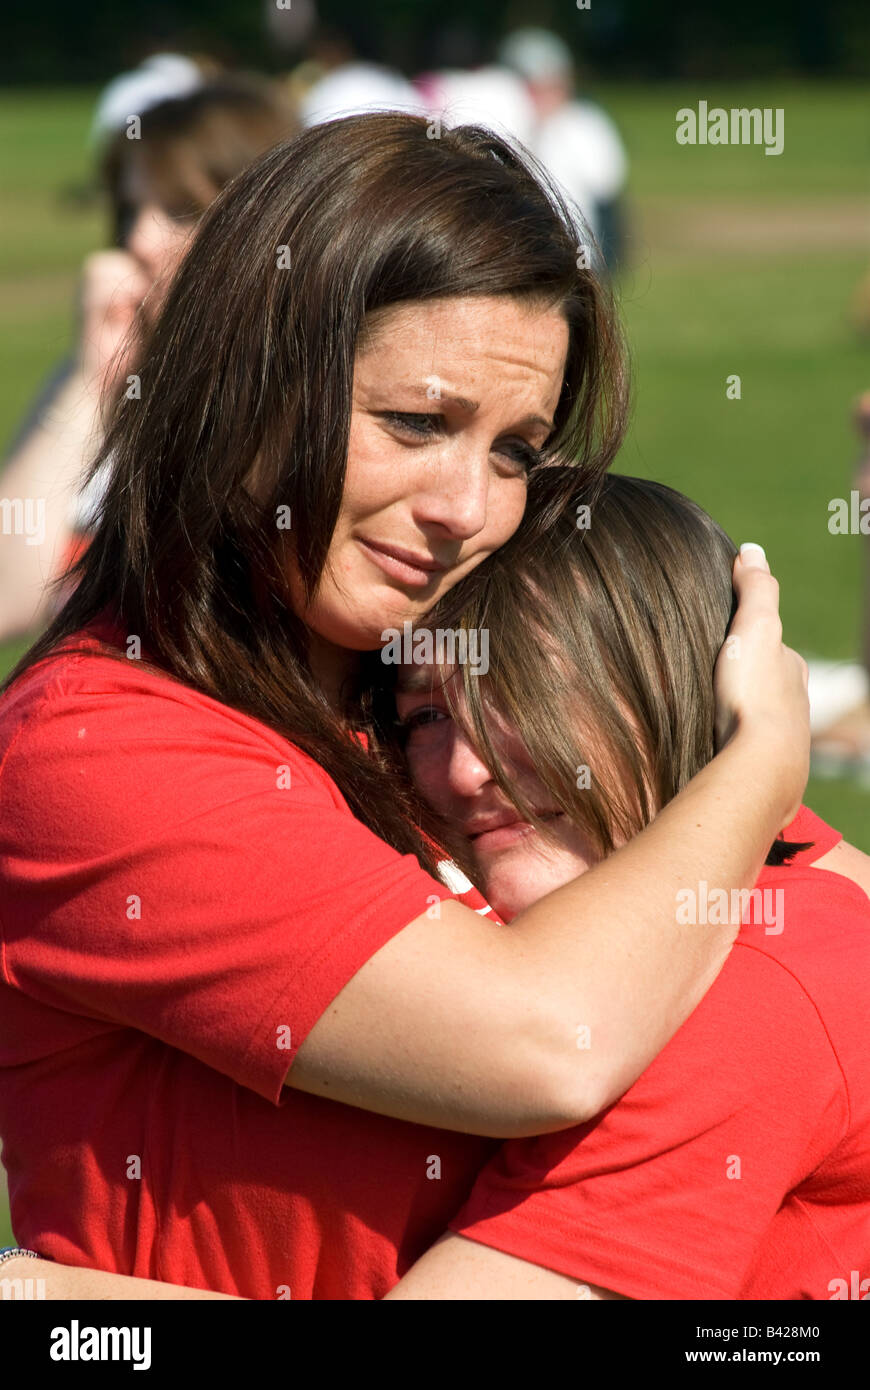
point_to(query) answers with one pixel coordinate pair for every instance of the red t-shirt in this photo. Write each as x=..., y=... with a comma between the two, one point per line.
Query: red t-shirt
x=738, y=1165
x=169, y=909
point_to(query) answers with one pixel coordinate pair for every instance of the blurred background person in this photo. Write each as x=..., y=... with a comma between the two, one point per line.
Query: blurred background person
x=196, y=130
x=840, y=690
x=575, y=140
x=527, y=94
x=342, y=75
x=463, y=89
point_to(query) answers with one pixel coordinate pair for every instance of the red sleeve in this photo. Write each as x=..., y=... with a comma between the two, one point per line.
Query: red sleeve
x=156, y=873
x=667, y=1194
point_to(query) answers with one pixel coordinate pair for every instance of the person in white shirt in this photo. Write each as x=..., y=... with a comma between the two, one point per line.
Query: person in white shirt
x=575, y=140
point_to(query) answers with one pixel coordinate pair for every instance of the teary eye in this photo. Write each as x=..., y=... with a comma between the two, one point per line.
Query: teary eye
x=421, y=425
x=521, y=452
x=426, y=426
x=425, y=714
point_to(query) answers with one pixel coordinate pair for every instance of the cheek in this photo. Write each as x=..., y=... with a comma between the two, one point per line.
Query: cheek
x=163, y=255
x=513, y=753
x=428, y=766
x=373, y=476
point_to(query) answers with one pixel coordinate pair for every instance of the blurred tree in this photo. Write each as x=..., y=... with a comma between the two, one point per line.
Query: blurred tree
x=90, y=40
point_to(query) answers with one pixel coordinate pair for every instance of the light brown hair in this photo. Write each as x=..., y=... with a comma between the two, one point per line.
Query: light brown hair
x=190, y=147
x=603, y=634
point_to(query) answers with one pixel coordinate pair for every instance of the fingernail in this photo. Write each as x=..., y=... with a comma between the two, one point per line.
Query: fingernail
x=753, y=555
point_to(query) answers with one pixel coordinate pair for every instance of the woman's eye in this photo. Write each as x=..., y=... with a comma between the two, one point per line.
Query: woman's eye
x=522, y=453
x=419, y=425
x=419, y=718
x=427, y=426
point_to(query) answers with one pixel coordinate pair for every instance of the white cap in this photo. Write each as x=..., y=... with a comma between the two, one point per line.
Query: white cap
x=161, y=78
x=536, y=54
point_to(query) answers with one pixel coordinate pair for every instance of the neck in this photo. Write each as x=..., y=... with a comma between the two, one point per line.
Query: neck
x=331, y=667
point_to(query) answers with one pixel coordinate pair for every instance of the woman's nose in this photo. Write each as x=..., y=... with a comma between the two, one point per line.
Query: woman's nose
x=457, y=495
x=466, y=770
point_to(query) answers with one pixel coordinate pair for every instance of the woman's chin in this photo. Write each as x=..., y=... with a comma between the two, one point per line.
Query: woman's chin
x=515, y=879
x=360, y=626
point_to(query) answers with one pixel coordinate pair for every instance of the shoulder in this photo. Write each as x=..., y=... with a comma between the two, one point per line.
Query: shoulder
x=762, y=1025
x=808, y=912
x=848, y=862
x=90, y=719
x=805, y=961
x=582, y=119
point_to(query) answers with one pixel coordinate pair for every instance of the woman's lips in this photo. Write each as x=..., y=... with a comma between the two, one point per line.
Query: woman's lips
x=505, y=835
x=402, y=565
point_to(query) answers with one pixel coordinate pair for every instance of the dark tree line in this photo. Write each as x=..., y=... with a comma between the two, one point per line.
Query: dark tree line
x=73, y=41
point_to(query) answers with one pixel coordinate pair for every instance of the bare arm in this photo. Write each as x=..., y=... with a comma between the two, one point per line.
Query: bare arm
x=47, y=466
x=454, y=1269
x=44, y=471
x=458, y=1269
x=459, y=1023
x=71, y=1282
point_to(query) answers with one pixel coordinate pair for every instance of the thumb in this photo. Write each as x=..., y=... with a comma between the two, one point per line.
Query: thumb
x=752, y=556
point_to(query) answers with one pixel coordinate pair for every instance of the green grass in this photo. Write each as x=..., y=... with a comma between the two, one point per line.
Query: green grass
x=826, y=150
x=765, y=465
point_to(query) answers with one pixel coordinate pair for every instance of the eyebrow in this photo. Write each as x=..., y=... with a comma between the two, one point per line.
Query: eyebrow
x=465, y=403
x=412, y=680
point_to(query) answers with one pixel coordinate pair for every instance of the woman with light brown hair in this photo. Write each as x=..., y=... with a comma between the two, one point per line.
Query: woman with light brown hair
x=738, y=1165
x=241, y=1012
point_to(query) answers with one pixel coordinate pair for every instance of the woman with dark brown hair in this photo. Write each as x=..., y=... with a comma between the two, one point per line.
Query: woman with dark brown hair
x=158, y=178
x=219, y=911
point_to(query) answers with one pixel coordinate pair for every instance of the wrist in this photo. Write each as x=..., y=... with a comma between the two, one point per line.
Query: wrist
x=772, y=759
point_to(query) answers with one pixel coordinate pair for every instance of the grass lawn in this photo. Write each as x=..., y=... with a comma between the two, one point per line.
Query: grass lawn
x=742, y=264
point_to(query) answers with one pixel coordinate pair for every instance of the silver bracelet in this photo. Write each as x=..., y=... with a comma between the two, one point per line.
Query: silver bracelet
x=11, y=1252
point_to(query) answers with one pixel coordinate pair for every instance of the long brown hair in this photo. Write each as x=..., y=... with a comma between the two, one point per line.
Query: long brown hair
x=251, y=362
x=603, y=635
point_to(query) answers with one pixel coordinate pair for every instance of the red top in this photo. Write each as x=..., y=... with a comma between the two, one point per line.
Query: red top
x=169, y=911
x=738, y=1165
x=170, y=908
